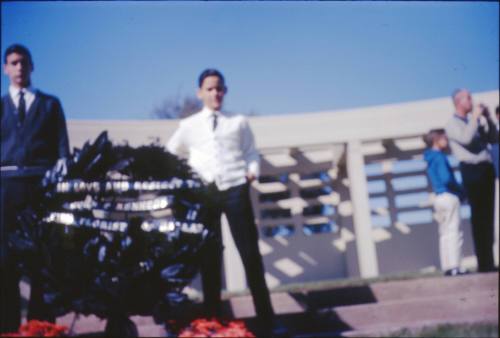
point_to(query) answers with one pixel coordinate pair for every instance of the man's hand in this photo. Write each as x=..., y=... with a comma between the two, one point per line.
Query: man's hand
x=251, y=178
x=478, y=111
x=61, y=166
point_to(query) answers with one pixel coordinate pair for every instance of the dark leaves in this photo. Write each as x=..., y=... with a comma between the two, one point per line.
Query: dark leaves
x=113, y=274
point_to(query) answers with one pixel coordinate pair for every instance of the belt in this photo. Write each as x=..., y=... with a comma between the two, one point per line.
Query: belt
x=22, y=171
x=482, y=163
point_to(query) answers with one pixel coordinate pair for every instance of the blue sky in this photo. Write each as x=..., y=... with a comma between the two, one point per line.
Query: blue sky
x=118, y=60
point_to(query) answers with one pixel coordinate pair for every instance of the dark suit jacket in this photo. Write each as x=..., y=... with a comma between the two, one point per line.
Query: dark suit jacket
x=40, y=140
x=37, y=142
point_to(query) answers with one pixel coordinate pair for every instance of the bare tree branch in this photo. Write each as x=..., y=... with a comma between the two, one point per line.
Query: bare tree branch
x=175, y=108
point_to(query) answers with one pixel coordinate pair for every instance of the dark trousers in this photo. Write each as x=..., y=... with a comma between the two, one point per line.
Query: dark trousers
x=235, y=203
x=479, y=183
x=16, y=195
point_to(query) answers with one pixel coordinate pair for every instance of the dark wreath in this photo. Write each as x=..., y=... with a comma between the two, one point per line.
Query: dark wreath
x=120, y=233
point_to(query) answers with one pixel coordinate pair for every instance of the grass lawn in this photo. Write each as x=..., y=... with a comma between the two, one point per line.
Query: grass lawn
x=480, y=330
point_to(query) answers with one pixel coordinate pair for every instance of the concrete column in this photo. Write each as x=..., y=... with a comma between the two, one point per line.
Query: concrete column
x=365, y=246
x=233, y=267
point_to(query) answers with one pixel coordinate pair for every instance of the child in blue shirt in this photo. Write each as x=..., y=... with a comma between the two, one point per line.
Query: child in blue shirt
x=446, y=203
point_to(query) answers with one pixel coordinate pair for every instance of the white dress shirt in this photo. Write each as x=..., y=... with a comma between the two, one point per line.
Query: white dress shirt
x=224, y=155
x=29, y=96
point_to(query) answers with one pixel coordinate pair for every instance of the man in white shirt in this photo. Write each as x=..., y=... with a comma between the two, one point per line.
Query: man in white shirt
x=221, y=150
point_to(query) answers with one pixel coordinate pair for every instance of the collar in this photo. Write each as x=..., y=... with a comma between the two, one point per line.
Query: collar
x=465, y=119
x=208, y=113
x=14, y=92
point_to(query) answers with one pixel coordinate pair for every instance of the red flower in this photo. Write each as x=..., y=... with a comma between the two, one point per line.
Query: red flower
x=213, y=328
x=36, y=328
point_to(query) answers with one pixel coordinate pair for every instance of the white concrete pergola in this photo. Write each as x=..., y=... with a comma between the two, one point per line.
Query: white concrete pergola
x=349, y=127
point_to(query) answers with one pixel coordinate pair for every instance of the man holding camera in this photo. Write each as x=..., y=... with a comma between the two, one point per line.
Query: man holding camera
x=470, y=132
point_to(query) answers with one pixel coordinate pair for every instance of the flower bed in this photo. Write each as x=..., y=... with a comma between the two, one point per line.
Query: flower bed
x=215, y=328
x=36, y=328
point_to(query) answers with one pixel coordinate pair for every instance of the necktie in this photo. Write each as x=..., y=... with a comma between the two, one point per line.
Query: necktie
x=21, y=110
x=214, y=125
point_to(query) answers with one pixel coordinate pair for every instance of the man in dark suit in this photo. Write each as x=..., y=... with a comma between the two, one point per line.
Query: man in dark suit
x=34, y=138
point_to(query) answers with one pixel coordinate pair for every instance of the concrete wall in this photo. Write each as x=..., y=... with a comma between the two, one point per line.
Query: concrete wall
x=385, y=121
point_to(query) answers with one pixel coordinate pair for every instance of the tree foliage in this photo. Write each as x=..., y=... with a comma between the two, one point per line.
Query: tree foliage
x=177, y=108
